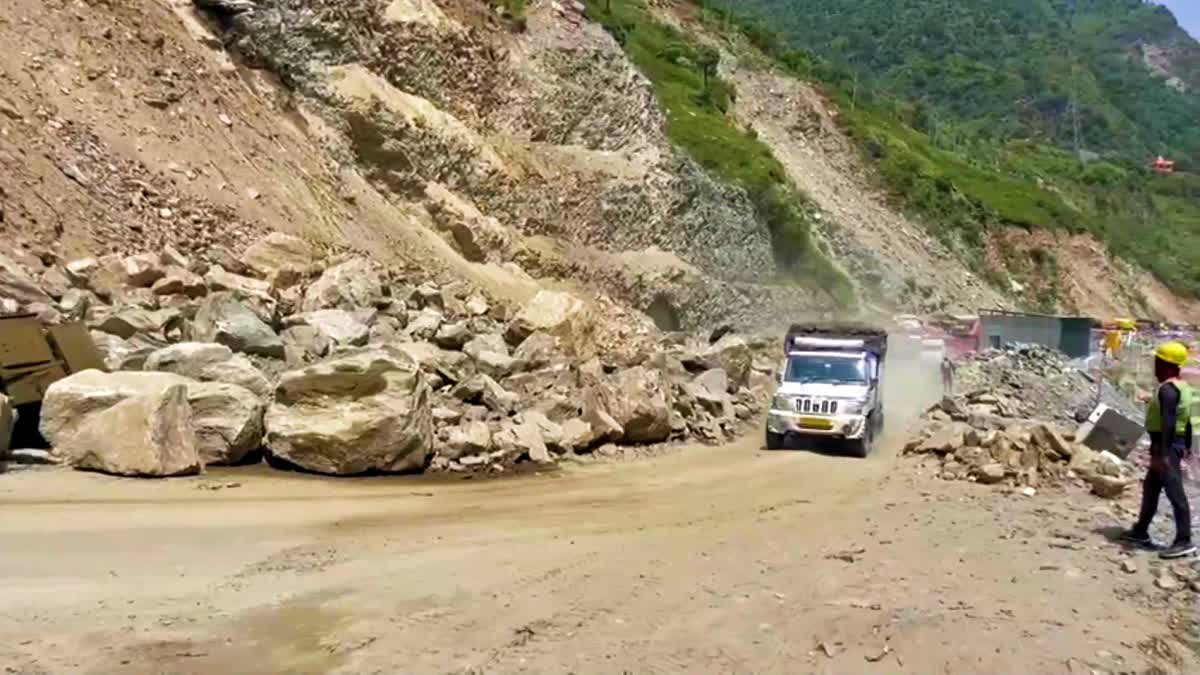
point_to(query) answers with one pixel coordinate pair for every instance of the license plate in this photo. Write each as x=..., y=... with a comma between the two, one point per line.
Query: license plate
x=816, y=423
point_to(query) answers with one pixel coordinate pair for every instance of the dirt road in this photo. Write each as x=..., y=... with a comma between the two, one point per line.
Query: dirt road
x=727, y=559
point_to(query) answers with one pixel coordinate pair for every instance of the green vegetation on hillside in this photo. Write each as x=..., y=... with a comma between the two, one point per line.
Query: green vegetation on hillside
x=958, y=165
x=1002, y=70
x=695, y=102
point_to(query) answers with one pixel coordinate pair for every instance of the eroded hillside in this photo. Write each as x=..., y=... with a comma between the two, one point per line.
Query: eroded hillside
x=427, y=134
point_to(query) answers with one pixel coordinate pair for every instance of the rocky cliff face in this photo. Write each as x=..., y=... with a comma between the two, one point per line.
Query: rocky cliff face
x=543, y=148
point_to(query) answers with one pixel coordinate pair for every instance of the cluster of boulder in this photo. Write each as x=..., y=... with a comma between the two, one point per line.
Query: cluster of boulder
x=333, y=364
x=969, y=438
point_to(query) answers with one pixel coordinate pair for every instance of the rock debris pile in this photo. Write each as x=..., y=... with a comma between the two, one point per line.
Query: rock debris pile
x=975, y=438
x=332, y=364
x=1037, y=382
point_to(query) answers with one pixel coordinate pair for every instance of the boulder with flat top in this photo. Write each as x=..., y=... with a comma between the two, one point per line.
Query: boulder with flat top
x=360, y=411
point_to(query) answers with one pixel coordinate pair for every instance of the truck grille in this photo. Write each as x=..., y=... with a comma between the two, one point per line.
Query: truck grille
x=816, y=405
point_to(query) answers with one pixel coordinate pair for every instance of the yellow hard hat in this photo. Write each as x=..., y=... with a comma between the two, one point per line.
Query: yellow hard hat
x=1172, y=352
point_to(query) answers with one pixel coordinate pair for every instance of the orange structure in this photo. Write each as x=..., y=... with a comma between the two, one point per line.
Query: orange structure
x=1164, y=166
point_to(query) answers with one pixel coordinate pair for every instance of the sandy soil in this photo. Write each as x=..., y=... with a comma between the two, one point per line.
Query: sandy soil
x=728, y=559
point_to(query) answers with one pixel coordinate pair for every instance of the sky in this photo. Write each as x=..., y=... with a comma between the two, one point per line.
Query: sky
x=1188, y=13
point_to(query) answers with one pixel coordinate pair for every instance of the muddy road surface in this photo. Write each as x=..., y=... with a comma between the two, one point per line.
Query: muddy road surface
x=725, y=559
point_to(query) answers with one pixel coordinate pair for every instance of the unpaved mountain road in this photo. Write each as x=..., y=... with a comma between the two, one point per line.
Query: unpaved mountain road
x=727, y=559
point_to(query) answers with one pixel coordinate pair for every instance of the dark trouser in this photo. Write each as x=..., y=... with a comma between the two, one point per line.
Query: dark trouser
x=1167, y=475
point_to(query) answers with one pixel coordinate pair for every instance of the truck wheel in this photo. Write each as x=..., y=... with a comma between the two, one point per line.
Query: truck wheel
x=862, y=447
x=774, y=441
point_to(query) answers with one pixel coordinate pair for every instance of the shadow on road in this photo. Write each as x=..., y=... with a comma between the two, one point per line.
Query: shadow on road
x=1113, y=534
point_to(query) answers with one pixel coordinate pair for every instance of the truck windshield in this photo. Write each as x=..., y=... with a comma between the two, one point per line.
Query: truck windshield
x=832, y=369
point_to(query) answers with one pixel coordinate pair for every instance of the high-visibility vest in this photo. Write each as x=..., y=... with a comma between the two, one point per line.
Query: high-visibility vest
x=1187, y=411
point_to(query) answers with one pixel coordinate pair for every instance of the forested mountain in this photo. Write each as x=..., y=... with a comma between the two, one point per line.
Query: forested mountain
x=1014, y=69
x=972, y=112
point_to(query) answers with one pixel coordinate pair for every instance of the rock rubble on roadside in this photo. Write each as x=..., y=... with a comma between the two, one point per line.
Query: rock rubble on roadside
x=334, y=364
x=976, y=438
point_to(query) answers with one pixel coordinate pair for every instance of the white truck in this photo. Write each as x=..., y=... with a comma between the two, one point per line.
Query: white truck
x=830, y=387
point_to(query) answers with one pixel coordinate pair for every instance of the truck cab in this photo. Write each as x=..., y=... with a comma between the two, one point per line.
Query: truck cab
x=829, y=388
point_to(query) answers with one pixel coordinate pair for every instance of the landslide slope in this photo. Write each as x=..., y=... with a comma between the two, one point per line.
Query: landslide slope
x=438, y=136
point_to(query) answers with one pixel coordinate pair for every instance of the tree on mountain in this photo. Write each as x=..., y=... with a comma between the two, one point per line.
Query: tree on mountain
x=708, y=60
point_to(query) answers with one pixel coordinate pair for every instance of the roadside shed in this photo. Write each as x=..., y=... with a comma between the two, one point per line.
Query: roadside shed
x=1068, y=334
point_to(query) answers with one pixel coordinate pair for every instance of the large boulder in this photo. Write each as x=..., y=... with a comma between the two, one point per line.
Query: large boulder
x=491, y=355
x=577, y=436
x=142, y=270
x=482, y=389
x=711, y=390
x=54, y=283
x=450, y=366
x=146, y=435
x=218, y=279
x=227, y=419
x=470, y=438
x=488, y=342
x=538, y=350
x=543, y=382
x=305, y=344
x=524, y=439
x=365, y=410
x=121, y=354
x=209, y=362
x=942, y=440
x=16, y=284
x=638, y=400
x=219, y=255
x=384, y=329
x=71, y=401
x=223, y=319
x=253, y=293
x=423, y=325
x=354, y=284
x=551, y=312
x=452, y=335
x=551, y=431
x=278, y=251
x=90, y=274
x=180, y=281
x=75, y=304
x=732, y=354
x=114, y=276
x=338, y=325
x=127, y=322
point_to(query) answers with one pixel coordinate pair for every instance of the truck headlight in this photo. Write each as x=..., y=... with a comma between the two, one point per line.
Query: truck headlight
x=782, y=403
x=853, y=407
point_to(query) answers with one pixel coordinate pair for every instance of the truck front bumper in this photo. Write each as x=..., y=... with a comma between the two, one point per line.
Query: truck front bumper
x=850, y=427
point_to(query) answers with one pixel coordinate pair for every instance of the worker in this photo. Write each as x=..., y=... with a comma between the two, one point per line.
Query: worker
x=947, y=375
x=1169, y=421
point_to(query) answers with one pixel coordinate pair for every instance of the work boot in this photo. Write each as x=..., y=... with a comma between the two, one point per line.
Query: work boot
x=1180, y=549
x=1138, y=538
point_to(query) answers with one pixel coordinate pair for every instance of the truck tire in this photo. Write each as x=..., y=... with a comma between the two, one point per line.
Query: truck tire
x=774, y=441
x=862, y=447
